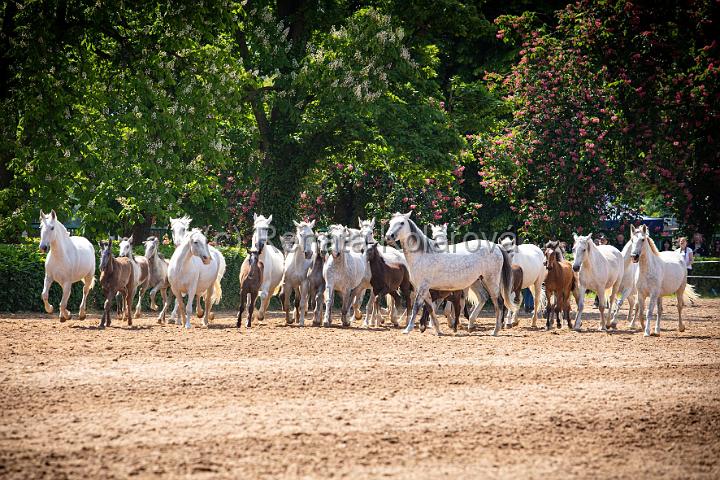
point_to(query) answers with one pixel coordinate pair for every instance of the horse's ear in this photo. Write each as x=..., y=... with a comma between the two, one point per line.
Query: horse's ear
x=644, y=228
x=53, y=215
x=296, y=223
x=131, y=239
x=254, y=216
x=445, y=225
x=110, y=242
x=575, y=237
x=42, y=215
x=408, y=214
x=359, y=222
x=269, y=219
x=311, y=224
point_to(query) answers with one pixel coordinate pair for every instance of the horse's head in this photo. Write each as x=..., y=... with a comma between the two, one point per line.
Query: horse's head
x=126, y=245
x=338, y=239
x=179, y=228
x=552, y=254
x=105, y=253
x=366, y=228
x=580, y=248
x=47, y=230
x=399, y=228
x=199, y=246
x=253, y=261
x=261, y=233
x=151, y=247
x=639, y=235
x=323, y=244
x=305, y=237
x=372, y=252
x=439, y=233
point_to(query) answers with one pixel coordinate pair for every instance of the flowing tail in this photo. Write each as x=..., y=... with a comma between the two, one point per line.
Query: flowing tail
x=541, y=298
x=92, y=283
x=506, y=283
x=690, y=295
x=217, y=291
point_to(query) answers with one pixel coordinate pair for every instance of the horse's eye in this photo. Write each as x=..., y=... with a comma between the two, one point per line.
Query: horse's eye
x=402, y=223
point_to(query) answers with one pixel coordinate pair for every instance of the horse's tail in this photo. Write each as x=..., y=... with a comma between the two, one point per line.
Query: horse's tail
x=217, y=290
x=690, y=295
x=506, y=283
x=92, y=283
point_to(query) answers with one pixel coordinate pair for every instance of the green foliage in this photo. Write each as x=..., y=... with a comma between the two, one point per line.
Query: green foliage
x=22, y=272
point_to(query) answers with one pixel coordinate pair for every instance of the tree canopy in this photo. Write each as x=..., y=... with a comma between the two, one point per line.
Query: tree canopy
x=545, y=116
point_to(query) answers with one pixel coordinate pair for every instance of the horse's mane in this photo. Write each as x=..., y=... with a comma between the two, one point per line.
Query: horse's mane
x=153, y=238
x=653, y=248
x=426, y=244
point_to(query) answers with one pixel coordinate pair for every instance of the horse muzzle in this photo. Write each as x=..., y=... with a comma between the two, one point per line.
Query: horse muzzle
x=576, y=268
x=43, y=248
x=206, y=260
x=308, y=255
x=635, y=258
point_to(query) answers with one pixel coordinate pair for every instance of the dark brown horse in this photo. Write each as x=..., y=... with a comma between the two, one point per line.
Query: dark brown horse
x=251, y=274
x=456, y=298
x=559, y=284
x=116, y=276
x=387, y=279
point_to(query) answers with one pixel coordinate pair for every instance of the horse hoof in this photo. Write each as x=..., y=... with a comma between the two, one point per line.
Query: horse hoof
x=153, y=308
x=211, y=316
x=495, y=333
x=646, y=334
x=681, y=328
x=81, y=316
x=49, y=309
x=358, y=315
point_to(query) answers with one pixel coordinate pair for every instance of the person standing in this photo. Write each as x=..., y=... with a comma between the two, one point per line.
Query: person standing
x=686, y=252
x=667, y=245
x=697, y=245
x=619, y=241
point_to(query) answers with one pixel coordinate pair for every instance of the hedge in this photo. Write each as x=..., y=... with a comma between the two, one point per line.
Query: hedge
x=22, y=271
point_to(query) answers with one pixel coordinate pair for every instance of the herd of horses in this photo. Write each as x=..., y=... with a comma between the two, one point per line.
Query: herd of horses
x=413, y=272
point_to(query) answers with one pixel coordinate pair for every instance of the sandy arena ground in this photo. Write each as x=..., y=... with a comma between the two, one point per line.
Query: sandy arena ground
x=279, y=401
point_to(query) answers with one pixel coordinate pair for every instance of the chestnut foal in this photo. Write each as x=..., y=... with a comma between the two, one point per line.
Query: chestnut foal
x=559, y=284
x=116, y=275
x=251, y=274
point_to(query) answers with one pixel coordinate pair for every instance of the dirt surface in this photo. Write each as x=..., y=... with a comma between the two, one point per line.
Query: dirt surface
x=279, y=401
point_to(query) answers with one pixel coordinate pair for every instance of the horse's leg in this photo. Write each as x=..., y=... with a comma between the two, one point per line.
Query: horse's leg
x=199, y=312
x=64, y=313
x=601, y=306
x=317, y=313
x=548, y=310
x=181, y=310
x=419, y=300
x=652, y=301
x=128, y=304
x=46, y=293
x=141, y=290
x=369, y=309
x=357, y=304
x=243, y=300
x=208, y=304
x=251, y=307
x=632, y=311
x=680, y=303
x=482, y=298
x=303, y=302
x=152, y=294
x=659, y=314
x=189, y=305
x=496, y=299
x=106, y=311
x=87, y=282
x=329, y=297
x=580, y=304
x=536, y=293
x=286, y=302
x=346, y=304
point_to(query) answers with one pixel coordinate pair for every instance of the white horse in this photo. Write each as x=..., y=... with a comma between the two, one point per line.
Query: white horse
x=193, y=270
x=295, y=272
x=531, y=259
x=272, y=259
x=658, y=274
x=627, y=286
x=346, y=272
x=180, y=227
x=478, y=265
x=141, y=271
x=601, y=270
x=69, y=260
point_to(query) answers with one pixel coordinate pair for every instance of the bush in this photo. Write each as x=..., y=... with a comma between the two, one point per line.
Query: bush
x=22, y=270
